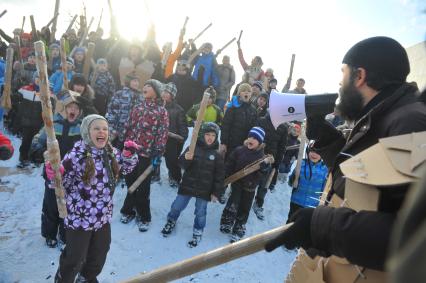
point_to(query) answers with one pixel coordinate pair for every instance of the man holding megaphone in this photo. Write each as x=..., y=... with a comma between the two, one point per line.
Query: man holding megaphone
x=374, y=96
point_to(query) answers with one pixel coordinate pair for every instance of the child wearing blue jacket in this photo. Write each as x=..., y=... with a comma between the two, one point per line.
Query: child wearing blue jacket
x=312, y=179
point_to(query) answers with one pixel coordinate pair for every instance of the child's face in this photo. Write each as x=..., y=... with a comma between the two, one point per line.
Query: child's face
x=273, y=85
x=72, y=111
x=167, y=97
x=314, y=157
x=245, y=96
x=252, y=143
x=102, y=68
x=54, y=52
x=148, y=92
x=31, y=60
x=261, y=101
x=79, y=56
x=209, y=138
x=79, y=88
x=99, y=133
x=209, y=102
x=134, y=84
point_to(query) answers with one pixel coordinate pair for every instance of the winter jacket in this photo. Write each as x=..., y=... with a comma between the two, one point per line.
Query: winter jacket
x=213, y=114
x=30, y=109
x=226, y=75
x=104, y=84
x=66, y=133
x=187, y=90
x=6, y=143
x=56, y=65
x=171, y=60
x=240, y=158
x=177, y=121
x=275, y=139
x=90, y=206
x=254, y=73
x=56, y=80
x=2, y=71
x=363, y=237
x=312, y=180
x=204, y=175
x=239, y=118
x=289, y=154
x=148, y=126
x=119, y=108
x=205, y=67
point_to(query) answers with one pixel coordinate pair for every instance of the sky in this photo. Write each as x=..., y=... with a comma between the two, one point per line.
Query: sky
x=318, y=32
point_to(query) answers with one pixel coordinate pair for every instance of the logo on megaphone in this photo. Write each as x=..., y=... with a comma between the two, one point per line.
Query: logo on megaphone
x=286, y=107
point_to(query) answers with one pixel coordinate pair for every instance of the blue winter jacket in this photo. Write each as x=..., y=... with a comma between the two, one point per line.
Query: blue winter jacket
x=208, y=62
x=311, y=183
x=2, y=70
x=56, y=80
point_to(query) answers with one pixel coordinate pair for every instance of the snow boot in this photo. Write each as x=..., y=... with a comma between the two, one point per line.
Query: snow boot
x=168, y=228
x=126, y=218
x=173, y=183
x=51, y=243
x=225, y=228
x=23, y=164
x=81, y=279
x=238, y=232
x=196, y=238
x=143, y=226
x=258, y=211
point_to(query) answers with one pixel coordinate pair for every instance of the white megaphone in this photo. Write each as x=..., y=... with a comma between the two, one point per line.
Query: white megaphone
x=286, y=107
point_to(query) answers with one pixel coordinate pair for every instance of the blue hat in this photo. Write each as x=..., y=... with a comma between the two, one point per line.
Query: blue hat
x=257, y=133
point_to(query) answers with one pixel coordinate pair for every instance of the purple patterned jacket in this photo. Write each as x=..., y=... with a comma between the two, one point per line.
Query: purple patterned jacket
x=90, y=206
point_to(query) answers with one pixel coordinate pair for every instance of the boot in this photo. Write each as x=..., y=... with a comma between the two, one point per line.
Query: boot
x=258, y=211
x=168, y=228
x=196, y=238
x=126, y=218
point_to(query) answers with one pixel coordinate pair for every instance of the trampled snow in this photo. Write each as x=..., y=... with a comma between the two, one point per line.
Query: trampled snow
x=24, y=256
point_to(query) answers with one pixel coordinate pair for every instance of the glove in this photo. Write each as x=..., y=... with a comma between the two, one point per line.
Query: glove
x=49, y=170
x=317, y=128
x=298, y=235
x=156, y=161
x=130, y=148
x=5, y=153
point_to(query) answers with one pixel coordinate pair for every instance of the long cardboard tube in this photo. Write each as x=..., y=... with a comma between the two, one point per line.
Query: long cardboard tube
x=209, y=259
x=6, y=102
x=52, y=142
x=140, y=179
x=64, y=64
x=88, y=60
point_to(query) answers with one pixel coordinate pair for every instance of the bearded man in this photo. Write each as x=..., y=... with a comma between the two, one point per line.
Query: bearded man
x=375, y=97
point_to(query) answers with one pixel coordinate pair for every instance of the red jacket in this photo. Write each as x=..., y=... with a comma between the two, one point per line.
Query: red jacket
x=5, y=145
x=148, y=126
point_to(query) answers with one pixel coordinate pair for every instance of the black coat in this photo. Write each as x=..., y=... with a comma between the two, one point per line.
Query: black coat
x=177, y=119
x=204, y=175
x=188, y=90
x=289, y=154
x=275, y=139
x=236, y=125
x=363, y=237
x=240, y=158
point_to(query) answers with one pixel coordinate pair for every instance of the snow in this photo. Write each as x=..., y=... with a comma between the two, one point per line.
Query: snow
x=24, y=256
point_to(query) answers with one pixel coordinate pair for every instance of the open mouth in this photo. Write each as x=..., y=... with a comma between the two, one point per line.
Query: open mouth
x=101, y=139
x=72, y=116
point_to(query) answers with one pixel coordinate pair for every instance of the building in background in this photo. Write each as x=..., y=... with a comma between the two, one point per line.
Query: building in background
x=417, y=57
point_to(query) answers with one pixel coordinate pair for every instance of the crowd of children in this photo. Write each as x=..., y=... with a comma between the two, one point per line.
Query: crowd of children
x=129, y=112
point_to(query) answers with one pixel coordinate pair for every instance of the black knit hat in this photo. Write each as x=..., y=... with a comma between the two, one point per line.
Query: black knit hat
x=381, y=55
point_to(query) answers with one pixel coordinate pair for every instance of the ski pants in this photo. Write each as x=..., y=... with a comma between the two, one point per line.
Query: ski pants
x=85, y=253
x=200, y=212
x=173, y=150
x=237, y=209
x=28, y=134
x=262, y=189
x=139, y=200
x=50, y=220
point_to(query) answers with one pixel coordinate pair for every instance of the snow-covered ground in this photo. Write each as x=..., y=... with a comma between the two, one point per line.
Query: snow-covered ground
x=24, y=256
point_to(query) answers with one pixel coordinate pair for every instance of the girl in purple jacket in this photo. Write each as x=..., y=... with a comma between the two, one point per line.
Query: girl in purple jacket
x=90, y=172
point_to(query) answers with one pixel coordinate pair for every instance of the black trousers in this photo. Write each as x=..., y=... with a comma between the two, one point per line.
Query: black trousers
x=173, y=150
x=237, y=209
x=85, y=253
x=50, y=220
x=262, y=189
x=139, y=199
x=27, y=136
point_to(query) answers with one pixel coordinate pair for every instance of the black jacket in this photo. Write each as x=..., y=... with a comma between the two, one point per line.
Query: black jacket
x=204, y=175
x=363, y=237
x=289, y=154
x=236, y=125
x=189, y=92
x=275, y=139
x=177, y=120
x=242, y=157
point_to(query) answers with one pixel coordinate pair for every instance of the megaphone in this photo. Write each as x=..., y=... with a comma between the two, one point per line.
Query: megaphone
x=286, y=107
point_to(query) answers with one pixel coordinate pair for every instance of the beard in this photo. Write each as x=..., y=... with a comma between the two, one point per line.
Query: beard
x=351, y=102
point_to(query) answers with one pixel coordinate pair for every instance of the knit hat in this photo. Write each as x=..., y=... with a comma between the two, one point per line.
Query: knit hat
x=244, y=87
x=170, y=88
x=101, y=61
x=85, y=126
x=380, y=55
x=129, y=77
x=264, y=95
x=257, y=133
x=258, y=84
x=156, y=85
x=80, y=49
x=54, y=45
x=78, y=79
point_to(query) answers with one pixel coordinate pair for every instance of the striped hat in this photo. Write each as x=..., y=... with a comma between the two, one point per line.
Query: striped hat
x=257, y=133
